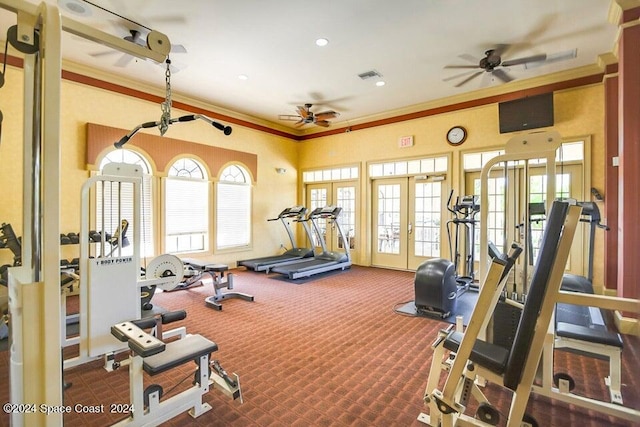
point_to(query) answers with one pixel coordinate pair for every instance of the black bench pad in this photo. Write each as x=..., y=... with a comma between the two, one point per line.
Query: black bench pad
x=218, y=268
x=178, y=352
x=488, y=355
x=593, y=335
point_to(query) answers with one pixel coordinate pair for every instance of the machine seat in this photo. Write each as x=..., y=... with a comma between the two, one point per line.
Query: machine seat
x=491, y=356
x=592, y=335
x=216, y=268
x=178, y=352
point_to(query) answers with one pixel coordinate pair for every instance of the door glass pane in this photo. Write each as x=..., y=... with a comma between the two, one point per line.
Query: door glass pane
x=537, y=194
x=389, y=218
x=346, y=199
x=496, y=214
x=426, y=228
x=319, y=200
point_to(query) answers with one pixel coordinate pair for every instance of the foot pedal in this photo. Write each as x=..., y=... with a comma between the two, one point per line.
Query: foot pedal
x=222, y=381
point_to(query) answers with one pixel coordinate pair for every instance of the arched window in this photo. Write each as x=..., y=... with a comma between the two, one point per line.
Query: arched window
x=233, y=208
x=110, y=200
x=186, y=207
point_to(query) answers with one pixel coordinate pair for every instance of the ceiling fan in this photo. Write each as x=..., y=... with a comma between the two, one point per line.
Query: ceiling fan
x=492, y=63
x=136, y=36
x=306, y=116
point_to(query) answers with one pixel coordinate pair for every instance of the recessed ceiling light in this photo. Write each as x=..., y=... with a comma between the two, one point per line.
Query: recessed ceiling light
x=380, y=83
x=75, y=6
x=243, y=77
x=322, y=42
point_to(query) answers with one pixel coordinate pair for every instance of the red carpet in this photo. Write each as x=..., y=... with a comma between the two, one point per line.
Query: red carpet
x=327, y=352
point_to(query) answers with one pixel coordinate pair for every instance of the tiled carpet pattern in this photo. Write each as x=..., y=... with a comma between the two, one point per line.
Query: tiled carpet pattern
x=328, y=351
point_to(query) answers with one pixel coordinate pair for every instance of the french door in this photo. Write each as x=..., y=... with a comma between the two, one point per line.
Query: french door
x=407, y=222
x=344, y=195
x=507, y=221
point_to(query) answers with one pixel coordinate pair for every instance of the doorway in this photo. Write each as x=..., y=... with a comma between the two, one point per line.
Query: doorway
x=507, y=222
x=345, y=195
x=407, y=215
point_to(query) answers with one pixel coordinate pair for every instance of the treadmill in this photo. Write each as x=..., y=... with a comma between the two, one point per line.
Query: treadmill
x=297, y=214
x=327, y=260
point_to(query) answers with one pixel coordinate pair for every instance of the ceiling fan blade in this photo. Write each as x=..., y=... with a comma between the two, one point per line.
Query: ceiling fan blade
x=555, y=57
x=471, y=77
x=519, y=61
x=289, y=117
x=323, y=123
x=502, y=75
x=123, y=61
x=460, y=66
x=457, y=76
x=300, y=123
x=326, y=115
x=105, y=53
x=178, y=48
x=500, y=49
x=304, y=113
x=469, y=58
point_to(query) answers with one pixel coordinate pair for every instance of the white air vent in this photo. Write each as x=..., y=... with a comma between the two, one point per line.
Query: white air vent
x=369, y=74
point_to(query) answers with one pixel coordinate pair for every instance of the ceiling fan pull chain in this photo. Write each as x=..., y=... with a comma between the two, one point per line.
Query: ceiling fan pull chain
x=166, y=105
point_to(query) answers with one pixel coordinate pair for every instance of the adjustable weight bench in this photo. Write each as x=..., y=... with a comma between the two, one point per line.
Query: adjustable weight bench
x=584, y=330
x=151, y=355
x=215, y=272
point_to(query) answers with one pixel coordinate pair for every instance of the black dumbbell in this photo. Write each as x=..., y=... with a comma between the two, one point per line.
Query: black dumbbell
x=64, y=239
x=75, y=239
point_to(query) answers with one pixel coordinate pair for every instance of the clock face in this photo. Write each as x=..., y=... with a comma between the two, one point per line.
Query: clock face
x=456, y=135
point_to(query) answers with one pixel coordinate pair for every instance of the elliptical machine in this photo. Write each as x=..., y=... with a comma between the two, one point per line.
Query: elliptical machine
x=464, y=215
x=437, y=283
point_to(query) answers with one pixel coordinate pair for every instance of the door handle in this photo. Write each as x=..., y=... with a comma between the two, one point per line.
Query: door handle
x=410, y=228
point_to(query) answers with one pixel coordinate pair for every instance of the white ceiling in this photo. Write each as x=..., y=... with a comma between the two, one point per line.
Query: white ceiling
x=409, y=42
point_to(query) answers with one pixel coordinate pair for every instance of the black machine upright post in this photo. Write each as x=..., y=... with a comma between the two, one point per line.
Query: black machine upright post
x=464, y=215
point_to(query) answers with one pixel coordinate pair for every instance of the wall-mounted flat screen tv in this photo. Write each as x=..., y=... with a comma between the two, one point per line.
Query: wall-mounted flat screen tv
x=526, y=113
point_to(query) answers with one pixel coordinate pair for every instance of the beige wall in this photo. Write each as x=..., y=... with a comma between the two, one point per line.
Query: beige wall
x=81, y=104
x=578, y=113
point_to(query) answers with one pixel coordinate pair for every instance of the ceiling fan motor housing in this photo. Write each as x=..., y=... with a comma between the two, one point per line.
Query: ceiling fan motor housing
x=490, y=61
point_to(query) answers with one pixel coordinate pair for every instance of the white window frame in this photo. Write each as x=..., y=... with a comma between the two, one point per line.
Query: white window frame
x=233, y=208
x=124, y=155
x=186, y=207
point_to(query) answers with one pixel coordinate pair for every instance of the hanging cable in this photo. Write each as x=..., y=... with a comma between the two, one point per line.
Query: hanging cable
x=166, y=105
x=166, y=120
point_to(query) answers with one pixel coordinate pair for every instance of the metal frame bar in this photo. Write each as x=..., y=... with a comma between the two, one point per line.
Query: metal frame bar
x=34, y=288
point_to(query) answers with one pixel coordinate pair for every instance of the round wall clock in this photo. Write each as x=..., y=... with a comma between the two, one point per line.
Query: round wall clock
x=456, y=135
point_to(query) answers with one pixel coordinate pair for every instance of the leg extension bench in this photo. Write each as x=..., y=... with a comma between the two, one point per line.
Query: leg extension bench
x=151, y=355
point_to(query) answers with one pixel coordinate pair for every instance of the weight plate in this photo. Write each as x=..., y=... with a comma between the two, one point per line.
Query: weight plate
x=166, y=266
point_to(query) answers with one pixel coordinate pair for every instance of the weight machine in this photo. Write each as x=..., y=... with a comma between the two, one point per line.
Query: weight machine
x=150, y=355
x=110, y=282
x=522, y=148
x=34, y=287
x=467, y=359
